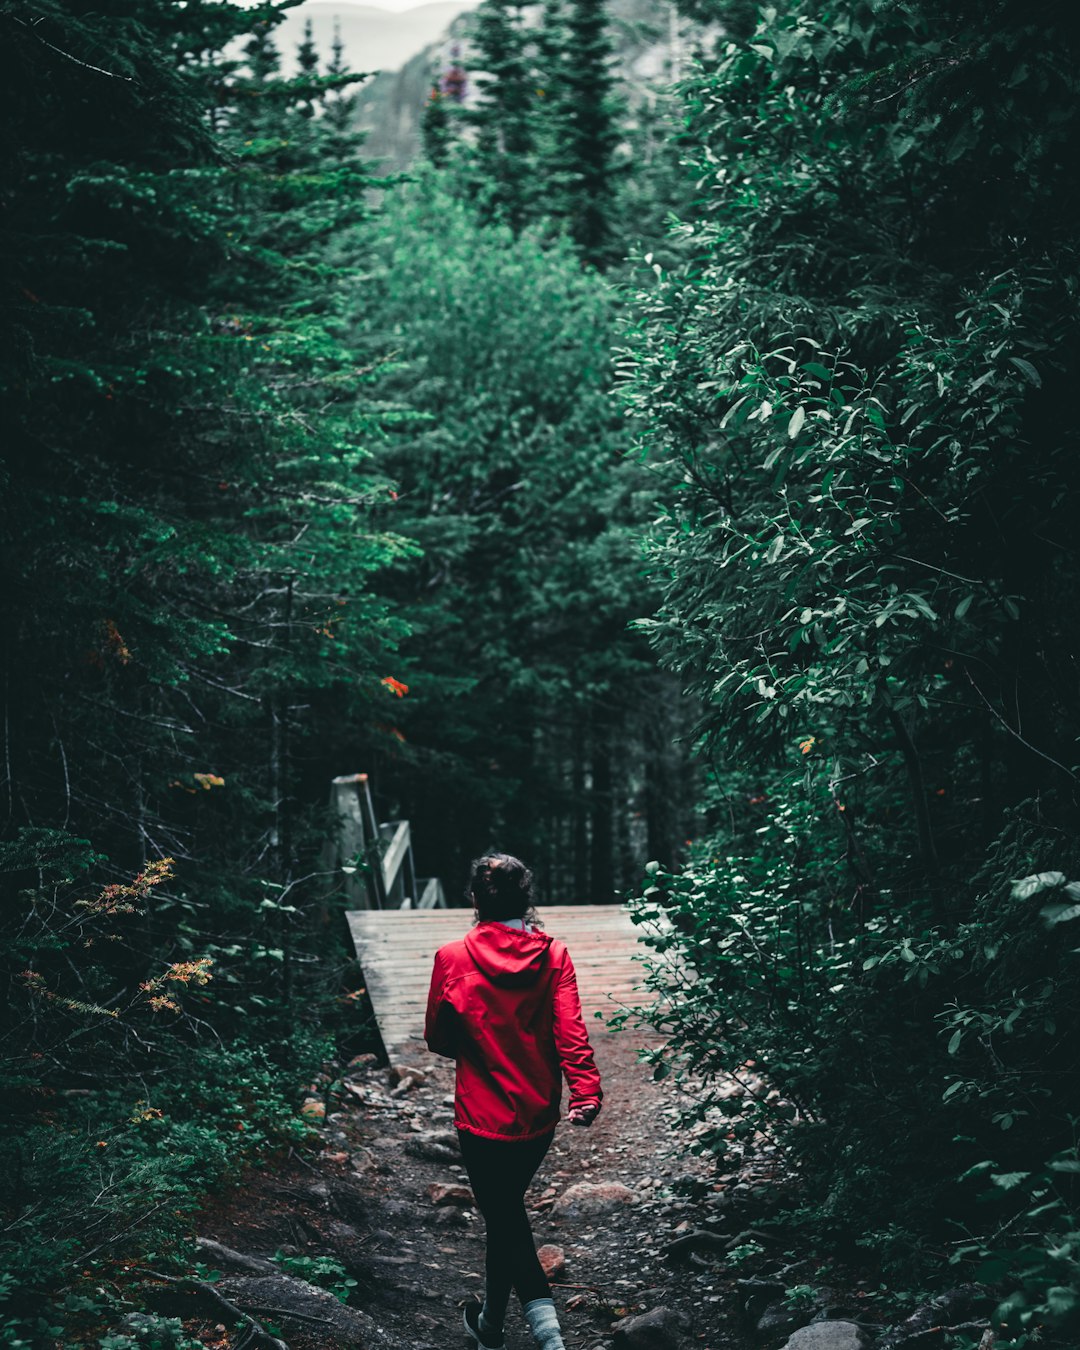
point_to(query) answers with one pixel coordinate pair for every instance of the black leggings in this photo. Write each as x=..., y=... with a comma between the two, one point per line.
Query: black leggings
x=499, y=1172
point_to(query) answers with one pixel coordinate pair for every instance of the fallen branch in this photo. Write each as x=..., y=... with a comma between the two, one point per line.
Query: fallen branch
x=289, y=1312
x=221, y=1302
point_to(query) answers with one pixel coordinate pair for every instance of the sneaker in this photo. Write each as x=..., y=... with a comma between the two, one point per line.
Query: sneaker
x=472, y=1329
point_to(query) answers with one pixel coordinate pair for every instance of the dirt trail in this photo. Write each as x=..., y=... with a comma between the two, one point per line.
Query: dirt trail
x=367, y=1203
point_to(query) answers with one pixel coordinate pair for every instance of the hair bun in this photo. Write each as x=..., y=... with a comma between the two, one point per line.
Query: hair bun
x=500, y=886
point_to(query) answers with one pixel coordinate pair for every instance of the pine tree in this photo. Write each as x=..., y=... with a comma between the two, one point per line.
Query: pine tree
x=307, y=62
x=435, y=127
x=185, y=541
x=342, y=138
x=502, y=163
x=586, y=130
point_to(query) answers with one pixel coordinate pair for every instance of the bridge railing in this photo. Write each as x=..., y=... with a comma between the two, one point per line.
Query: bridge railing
x=374, y=858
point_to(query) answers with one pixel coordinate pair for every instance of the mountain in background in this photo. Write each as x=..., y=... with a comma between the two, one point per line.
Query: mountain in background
x=375, y=39
x=651, y=44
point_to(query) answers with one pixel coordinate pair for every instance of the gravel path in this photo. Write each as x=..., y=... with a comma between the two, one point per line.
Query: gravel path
x=368, y=1202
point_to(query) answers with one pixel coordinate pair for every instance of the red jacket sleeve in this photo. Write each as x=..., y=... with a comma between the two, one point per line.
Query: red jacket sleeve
x=572, y=1040
x=439, y=1021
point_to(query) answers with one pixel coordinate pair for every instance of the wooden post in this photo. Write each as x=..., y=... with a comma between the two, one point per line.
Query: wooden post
x=356, y=841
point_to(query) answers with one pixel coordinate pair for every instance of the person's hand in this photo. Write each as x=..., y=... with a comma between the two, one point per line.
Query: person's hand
x=582, y=1115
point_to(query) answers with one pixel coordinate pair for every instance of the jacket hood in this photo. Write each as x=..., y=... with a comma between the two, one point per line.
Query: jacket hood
x=511, y=957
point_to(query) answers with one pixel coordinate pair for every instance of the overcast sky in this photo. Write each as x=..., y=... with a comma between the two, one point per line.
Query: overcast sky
x=397, y=5
x=400, y=5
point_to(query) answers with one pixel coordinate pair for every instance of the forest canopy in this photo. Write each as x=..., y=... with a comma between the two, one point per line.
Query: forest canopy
x=674, y=488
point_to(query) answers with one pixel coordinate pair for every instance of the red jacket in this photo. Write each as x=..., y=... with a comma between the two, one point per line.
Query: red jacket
x=504, y=1003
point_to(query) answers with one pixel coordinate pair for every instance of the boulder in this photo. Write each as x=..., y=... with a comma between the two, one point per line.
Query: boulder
x=440, y=1193
x=658, y=1329
x=828, y=1336
x=280, y=1296
x=589, y=1198
x=552, y=1259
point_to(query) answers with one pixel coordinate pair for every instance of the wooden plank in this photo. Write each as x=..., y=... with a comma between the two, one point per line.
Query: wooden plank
x=396, y=949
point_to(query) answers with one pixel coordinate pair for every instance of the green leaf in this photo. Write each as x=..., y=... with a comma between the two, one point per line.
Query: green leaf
x=1055, y=914
x=1008, y=1181
x=816, y=368
x=955, y=1039
x=1060, y=1300
x=1026, y=887
x=1027, y=370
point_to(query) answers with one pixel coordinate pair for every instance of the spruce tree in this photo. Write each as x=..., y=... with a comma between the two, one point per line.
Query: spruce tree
x=186, y=545
x=502, y=163
x=435, y=127
x=307, y=63
x=342, y=139
x=586, y=130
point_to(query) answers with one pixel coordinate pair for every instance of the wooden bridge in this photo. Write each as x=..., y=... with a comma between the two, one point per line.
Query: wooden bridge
x=396, y=949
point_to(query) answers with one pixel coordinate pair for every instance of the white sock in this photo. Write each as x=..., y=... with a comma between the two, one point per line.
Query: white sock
x=543, y=1322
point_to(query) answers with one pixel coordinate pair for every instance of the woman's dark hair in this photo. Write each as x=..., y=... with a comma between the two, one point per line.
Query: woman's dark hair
x=500, y=887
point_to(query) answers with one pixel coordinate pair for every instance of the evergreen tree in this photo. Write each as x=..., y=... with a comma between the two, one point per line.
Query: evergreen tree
x=342, y=140
x=530, y=704
x=187, y=548
x=582, y=171
x=307, y=64
x=502, y=163
x=435, y=128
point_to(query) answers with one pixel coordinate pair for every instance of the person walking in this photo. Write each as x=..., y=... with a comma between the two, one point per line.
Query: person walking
x=504, y=1004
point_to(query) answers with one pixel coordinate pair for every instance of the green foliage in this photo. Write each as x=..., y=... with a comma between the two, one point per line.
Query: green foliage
x=539, y=140
x=187, y=546
x=513, y=476
x=112, y=1170
x=154, y=1333
x=325, y=1271
x=186, y=540
x=898, y=1065
x=502, y=163
x=853, y=368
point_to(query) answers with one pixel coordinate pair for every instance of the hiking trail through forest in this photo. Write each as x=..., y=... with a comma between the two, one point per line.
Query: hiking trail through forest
x=641, y=1226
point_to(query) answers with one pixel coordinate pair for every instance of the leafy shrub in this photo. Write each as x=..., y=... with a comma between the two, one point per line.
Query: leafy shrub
x=856, y=376
x=325, y=1271
x=923, y=1080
